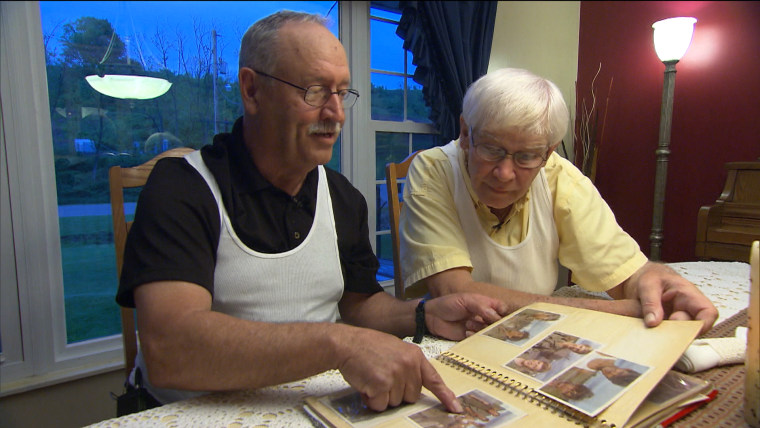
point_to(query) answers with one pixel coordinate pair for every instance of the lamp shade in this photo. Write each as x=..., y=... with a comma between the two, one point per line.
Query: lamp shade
x=672, y=37
x=129, y=87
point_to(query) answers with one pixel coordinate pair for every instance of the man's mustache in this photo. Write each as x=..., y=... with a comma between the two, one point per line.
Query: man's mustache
x=324, y=128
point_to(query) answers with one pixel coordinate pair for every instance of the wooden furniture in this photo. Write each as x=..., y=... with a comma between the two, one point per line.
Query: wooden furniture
x=119, y=179
x=752, y=358
x=394, y=172
x=726, y=229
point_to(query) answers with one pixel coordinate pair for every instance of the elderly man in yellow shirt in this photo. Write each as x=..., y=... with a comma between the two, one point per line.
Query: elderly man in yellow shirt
x=496, y=210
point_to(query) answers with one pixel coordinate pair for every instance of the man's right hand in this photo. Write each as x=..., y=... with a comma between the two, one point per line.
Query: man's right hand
x=388, y=371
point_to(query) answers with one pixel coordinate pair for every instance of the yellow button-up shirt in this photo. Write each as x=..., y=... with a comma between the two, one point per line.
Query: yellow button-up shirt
x=593, y=246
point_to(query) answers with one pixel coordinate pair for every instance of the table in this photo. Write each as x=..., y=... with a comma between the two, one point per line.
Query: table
x=725, y=283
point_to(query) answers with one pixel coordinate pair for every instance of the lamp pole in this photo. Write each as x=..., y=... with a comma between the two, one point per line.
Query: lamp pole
x=662, y=153
x=672, y=38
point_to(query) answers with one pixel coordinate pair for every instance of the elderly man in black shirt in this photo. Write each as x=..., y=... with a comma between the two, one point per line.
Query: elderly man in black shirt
x=244, y=253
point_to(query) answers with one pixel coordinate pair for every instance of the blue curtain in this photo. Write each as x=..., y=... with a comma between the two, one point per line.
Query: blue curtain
x=450, y=43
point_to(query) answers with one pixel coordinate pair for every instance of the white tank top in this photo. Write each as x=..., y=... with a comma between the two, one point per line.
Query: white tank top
x=303, y=284
x=529, y=266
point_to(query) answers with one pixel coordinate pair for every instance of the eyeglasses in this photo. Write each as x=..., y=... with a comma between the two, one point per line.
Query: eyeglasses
x=491, y=153
x=318, y=95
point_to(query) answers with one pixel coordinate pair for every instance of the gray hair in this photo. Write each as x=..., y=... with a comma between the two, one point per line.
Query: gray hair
x=511, y=98
x=258, y=49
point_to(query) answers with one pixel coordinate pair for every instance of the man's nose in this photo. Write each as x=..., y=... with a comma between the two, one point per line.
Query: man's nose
x=333, y=109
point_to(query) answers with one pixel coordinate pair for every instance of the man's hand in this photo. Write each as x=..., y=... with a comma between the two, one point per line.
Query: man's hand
x=664, y=294
x=458, y=315
x=388, y=371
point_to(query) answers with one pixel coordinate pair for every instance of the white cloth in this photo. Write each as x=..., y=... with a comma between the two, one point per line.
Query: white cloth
x=287, y=287
x=705, y=354
x=529, y=266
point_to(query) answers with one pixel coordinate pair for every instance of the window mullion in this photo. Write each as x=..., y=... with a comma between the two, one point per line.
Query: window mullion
x=26, y=132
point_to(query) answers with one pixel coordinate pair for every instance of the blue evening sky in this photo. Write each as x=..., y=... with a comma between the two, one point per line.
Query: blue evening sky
x=140, y=20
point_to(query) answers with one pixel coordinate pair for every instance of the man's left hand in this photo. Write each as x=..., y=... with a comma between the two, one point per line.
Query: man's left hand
x=459, y=315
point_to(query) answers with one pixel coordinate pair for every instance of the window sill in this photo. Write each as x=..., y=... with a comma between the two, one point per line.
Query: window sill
x=31, y=383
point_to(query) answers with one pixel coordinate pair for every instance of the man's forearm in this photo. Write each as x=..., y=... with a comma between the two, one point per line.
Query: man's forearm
x=518, y=299
x=380, y=311
x=212, y=351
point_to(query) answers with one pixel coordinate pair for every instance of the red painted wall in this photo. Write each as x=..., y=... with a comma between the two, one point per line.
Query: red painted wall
x=716, y=113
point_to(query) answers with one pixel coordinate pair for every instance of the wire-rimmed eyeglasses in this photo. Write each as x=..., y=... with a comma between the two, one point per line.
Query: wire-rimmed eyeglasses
x=318, y=95
x=491, y=153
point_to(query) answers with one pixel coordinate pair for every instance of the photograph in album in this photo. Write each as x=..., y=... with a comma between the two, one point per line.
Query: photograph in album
x=545, y=365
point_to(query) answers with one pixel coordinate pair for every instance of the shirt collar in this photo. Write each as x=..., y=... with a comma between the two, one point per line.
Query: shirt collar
x=243, y=172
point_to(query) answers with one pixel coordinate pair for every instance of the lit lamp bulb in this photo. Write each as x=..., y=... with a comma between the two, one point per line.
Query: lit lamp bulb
x=129, y=87
x=672, y=37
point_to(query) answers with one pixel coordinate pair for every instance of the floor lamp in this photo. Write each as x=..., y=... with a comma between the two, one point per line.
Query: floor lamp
x=671, y=40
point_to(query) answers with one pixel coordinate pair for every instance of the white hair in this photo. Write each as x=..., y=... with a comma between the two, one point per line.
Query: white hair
x=511, y=98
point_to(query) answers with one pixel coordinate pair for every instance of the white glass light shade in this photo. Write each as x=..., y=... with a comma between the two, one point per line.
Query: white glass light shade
x=672, y=37
x=129, y=87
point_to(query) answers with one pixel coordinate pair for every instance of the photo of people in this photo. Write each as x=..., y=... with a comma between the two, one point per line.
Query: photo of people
x=349, y=406
x=480, y=410
x=614, y=370
x=551, y=355
x=522, y=326
x=594, y=383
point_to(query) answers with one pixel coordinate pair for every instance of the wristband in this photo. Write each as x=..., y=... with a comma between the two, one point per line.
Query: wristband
x=419, y=319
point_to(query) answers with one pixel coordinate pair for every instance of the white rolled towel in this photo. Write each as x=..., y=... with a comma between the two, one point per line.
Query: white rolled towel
x=705, y=354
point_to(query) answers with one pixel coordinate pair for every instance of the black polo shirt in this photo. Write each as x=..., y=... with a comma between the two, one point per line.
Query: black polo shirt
x=176, y=228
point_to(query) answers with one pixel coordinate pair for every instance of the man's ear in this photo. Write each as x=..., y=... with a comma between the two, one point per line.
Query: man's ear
x=247, y=79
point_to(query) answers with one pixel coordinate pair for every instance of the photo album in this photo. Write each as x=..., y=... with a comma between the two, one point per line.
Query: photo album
x=547, y=365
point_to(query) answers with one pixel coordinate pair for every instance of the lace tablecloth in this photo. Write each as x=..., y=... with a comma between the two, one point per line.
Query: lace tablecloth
x=725, y=283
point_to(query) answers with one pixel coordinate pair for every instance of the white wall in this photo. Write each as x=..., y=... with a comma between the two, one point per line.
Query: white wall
x=540, y=36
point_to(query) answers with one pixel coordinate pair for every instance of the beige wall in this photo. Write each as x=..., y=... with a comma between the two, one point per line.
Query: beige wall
x=71, y=404
x=540, y=36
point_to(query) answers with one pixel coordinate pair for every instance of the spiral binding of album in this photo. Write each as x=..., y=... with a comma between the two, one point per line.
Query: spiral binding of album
x=521, y=391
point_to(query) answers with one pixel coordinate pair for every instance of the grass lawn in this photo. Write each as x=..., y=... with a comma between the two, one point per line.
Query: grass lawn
x=89, y=277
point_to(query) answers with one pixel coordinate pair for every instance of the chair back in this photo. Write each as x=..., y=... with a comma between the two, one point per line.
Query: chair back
x=393, y=173
x=119, y=179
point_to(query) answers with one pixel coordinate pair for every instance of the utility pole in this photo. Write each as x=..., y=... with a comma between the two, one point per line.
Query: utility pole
x=216, y=76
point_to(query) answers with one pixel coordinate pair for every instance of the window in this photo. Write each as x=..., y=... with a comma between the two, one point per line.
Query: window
x=399, y=117
x=59, y=318
x=92, y=131
x=57, y=267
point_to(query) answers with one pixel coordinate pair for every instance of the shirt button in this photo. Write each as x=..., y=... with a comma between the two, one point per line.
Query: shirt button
x=297, y=235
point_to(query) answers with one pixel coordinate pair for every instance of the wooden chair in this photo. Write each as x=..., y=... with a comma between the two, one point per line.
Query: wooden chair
x=119, y=179
x=394, y=172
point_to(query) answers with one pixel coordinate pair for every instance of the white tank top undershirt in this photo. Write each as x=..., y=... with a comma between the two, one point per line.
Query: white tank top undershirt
x=529, y=266
x=303, y=284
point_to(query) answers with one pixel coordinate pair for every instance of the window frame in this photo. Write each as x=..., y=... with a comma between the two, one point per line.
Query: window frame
x=39, y=353
x=374, y=126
